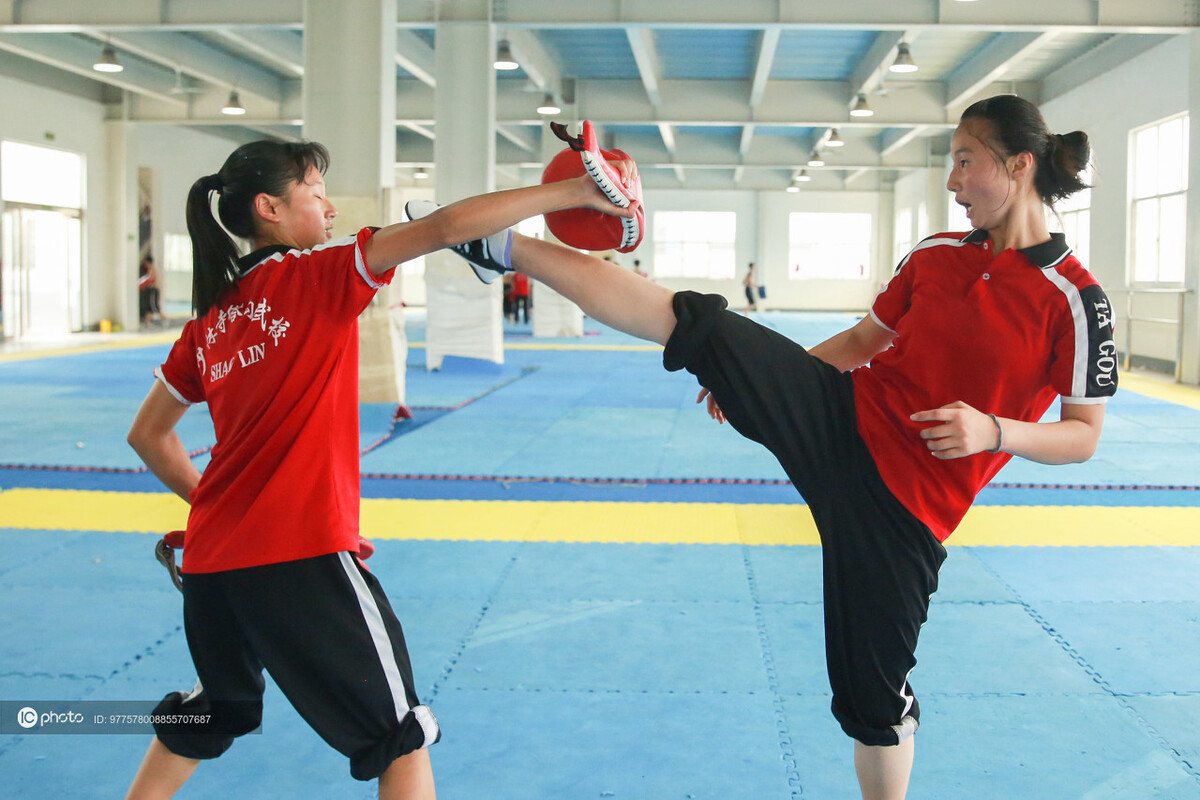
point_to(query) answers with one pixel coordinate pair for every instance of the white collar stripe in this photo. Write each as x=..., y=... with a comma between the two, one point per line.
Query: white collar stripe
x=931, y=242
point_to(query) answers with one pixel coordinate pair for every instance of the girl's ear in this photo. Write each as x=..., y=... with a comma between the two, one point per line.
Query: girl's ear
x=1020, y=165
x=266, y=207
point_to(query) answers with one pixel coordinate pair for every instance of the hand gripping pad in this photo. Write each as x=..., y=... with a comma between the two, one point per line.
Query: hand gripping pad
x=586, y=228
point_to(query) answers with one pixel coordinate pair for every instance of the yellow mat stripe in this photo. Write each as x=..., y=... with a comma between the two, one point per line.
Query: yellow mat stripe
x=1161, y=389
x=605, y=522
x=124, y=343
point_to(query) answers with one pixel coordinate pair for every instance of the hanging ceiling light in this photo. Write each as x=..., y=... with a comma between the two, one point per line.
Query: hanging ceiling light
x=420, y=174
x=861, y=109
x=835, y=139
x=904, y=61
x=504, y=58
x=107, y=62
x=233, y=106
x=803, y=177
x=793, y=188
x=548, y=105
x=815, y=159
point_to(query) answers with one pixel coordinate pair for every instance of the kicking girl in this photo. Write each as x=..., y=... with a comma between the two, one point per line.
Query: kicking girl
x=270, y=574
x=967, y=347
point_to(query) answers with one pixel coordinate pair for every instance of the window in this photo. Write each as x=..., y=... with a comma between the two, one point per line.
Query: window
x=695, y=244
x=177, y=255
x=41, y=176
x=41, y=271
x=1073, y=217
x=1159, y=213
x=829, y=246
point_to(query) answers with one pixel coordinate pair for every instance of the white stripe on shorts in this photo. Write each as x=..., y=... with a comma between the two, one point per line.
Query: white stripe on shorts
x=379, y=635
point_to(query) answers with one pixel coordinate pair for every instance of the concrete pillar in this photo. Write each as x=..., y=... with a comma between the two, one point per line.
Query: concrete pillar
x=120, y=302
x=464, y=316
x=553, y=314
x=350, y=107
x=1189, y=367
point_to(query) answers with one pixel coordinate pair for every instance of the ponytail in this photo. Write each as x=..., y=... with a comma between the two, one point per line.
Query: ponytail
x=214, y=254
x=1018, y=127
x=1067, y=156
x=263, y=167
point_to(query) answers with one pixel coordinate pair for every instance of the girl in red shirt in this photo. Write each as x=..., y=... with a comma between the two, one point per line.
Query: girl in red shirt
x=968, y=345
x=271, y=577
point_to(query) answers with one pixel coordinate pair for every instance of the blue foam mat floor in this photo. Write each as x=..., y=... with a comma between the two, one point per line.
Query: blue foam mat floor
x=625, y=671
x=686, y=671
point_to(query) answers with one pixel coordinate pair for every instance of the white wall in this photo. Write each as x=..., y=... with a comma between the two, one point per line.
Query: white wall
x=744, y=204
x=178, y=157
x=762, y=237
x=782, y=292
x=1144, y=90
x=43, y=117
x=113, y=151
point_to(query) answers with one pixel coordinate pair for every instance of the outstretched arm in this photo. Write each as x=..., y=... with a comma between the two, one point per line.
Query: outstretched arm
x=963, y=431
x=479, y=216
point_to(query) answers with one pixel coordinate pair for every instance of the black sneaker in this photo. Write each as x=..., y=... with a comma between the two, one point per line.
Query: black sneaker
x=489, y=257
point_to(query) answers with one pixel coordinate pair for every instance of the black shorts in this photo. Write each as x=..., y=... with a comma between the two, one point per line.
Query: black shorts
x=880, y=562
x=324, y=630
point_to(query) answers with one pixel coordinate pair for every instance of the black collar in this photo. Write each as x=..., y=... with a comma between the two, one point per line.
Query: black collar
x=253, y=259
x=1043, y=255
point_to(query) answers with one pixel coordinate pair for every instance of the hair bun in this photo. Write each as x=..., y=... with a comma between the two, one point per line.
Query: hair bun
x=213, y=183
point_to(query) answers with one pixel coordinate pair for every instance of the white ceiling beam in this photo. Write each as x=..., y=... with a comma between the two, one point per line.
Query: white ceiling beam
x=538, y=63
x=513, y=135
x=866, y=73
x=762, y=65
x=1112, y=16
x=641, y=41
x=420, y=130
x=668, y=137
x=854, y=175
x=415, y=57
x=892, y=139
x=199, y=60
x=745, y=140
x=283, y=48
x=38, y=73
x=1110, y=54
x=77, y=15
x=991, y=64
x=77, y=55
x=1169, y=16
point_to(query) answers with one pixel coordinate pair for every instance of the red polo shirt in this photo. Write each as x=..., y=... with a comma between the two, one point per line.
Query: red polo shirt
x=276, y=359
x=1004, y=333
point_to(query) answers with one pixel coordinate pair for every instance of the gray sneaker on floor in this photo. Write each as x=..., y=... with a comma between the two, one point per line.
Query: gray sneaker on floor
x=489, y=257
